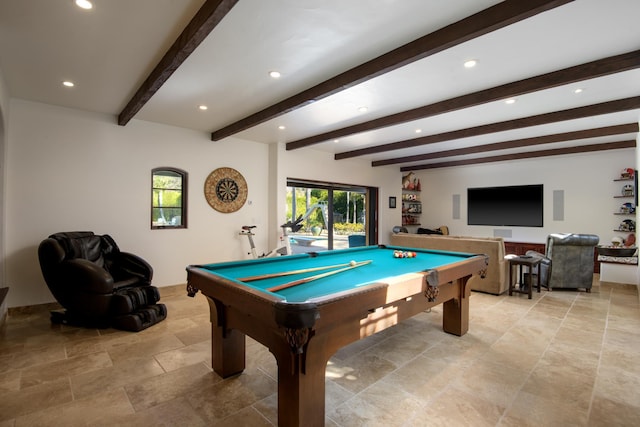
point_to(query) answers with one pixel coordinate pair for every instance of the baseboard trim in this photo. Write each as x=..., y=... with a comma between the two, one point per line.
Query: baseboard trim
x=165, y=291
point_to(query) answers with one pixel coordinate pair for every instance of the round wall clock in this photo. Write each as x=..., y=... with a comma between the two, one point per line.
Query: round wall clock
x=225, y=190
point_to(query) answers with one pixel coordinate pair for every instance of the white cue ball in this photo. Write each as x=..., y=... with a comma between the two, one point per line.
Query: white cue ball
x=352, y=263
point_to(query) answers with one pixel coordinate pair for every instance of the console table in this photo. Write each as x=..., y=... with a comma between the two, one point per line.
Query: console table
x=521, y=248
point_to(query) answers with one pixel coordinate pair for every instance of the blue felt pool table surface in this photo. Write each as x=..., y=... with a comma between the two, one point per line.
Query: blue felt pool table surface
x=383, y=265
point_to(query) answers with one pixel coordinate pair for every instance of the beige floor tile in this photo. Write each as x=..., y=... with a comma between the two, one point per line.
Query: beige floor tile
x=63, y=368
x=626, y=359
x=98, y=408
x=595, y=309
x=247, y=417
x=17, y=403
x=25, y=359
x=360, y=371
x=185, y=356
x=492, y=382
x=531, y=410
x=562, y=386
x=195, y=334
x=84, y=347
x=619, y=385
x=220, y=399
x=10, y=381
x=625, y=324
x=586, y=323
x=363, y=344
x=373, y=407
x=609, y=413
x=176, y=412
x=457, y=408
x=401, y=348
x=629, y=340
x=268, y=407
x=628, y=308
x=563, y=358
x=550, y=311
x=149, y=392
x=130, y=371
x=567, y=359
x=145, y=348
x=425, y=377
x=579, y=338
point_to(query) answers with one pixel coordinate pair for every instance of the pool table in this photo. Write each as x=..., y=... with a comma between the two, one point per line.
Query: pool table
x=304, y=325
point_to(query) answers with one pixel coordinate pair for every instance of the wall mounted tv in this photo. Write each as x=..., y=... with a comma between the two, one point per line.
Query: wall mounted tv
x=517, y=206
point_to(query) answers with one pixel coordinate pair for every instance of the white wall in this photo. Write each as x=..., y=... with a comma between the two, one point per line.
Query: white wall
x=73, y=170
x=586, y=179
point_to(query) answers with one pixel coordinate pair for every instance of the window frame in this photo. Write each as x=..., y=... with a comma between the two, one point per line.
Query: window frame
x=183, y=207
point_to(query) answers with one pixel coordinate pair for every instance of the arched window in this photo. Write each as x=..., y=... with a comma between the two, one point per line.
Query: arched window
x=168, y=198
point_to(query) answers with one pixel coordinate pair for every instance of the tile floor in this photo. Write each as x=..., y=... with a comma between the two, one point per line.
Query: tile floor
x=564, y=358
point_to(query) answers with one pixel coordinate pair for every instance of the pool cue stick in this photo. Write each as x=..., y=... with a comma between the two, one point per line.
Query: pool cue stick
x=316, y=277
x=289, y=273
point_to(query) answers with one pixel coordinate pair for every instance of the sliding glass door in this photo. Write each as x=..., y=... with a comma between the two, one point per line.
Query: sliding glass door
x=334, y=216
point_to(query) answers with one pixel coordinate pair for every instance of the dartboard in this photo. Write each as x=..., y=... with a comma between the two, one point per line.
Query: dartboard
x=225, y=190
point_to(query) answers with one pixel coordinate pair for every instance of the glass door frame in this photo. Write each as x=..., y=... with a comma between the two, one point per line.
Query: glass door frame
x=371, y=205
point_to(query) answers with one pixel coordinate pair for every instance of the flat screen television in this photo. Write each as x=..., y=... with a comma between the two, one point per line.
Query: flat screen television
x=516, y=206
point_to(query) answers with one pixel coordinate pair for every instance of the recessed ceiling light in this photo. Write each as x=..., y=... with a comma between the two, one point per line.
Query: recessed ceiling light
x=281, y=127
x=578, y=90
x=470, y=63
x=84, y=4
x=203, y=107
x=418, y=130
x=68, y=83
x=363, y=109
x=510, y=101
x=336, y=141
x=275, y=74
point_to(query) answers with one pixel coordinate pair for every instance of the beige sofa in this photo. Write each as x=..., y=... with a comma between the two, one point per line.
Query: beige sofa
x=497, y=278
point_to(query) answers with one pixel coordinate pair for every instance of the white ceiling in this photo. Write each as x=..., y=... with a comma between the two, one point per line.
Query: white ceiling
x=110, y=50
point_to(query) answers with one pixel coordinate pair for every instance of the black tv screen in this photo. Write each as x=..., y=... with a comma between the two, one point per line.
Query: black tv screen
x=517, y=206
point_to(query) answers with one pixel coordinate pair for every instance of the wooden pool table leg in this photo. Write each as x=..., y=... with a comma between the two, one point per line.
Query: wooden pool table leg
x=455, y=318
x=301, y=388
x=227, y=345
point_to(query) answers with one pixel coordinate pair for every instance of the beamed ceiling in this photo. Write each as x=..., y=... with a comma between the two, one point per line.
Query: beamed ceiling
x=380, y=80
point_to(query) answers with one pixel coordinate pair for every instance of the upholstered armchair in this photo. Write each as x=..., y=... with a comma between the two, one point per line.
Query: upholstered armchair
x=568, y=261
x=97, y=284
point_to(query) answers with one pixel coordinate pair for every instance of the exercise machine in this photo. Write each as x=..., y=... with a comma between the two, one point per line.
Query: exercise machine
x=285, y=243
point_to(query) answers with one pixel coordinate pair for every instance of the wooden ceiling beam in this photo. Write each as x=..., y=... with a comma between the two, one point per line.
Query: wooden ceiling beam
x=486, y=21
x=203, y=22
x=518, y=143
x=528, y=155
x=590, y=70
x=541, y=119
